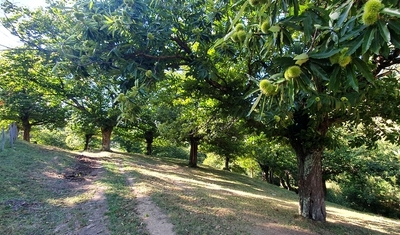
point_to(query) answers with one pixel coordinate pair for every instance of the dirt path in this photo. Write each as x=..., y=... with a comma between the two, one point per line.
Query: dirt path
x=156, y=221
x=86, y=218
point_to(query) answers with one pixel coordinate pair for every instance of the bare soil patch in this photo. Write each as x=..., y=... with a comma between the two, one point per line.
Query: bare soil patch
x=85, y=166
x=91, y=217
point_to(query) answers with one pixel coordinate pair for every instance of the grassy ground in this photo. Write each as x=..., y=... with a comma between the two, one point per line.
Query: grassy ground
x=35, y=199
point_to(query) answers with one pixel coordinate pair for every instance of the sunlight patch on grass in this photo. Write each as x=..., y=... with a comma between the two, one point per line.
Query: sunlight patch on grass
x=208, y=201
x=179, y=181
x=72, y=200
x=370, y=221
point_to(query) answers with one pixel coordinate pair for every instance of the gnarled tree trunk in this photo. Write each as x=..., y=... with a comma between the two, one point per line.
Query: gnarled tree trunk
x=106, y=138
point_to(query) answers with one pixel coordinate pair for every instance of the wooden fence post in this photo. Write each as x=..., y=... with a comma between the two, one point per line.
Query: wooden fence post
x=3, y=139
x=10, y=131
x=15, y=131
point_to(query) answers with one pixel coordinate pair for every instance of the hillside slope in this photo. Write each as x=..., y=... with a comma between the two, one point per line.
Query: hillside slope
x=45, y=190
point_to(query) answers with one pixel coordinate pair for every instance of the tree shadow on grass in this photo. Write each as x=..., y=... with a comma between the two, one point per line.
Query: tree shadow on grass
x=47, y=191
x=221, y=202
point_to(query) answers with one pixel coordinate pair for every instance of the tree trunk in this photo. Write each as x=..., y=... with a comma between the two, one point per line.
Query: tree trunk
x=194, y=145
x=87, y=141
x=226, y=168
x=148, y=135
x=265, y=171
x=311, y=192
x=27, y=131
x=271, y=176
x=309, y=152
x=106, y=138
x=282, y=182
x=287, y=180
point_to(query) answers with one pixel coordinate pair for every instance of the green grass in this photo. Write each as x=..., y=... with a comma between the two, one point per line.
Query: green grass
x=27, y=173
x=121, y=202
x=208, y=201
x=198, y=201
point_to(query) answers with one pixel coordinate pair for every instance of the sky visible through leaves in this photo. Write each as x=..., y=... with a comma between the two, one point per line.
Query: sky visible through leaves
x=6, y=39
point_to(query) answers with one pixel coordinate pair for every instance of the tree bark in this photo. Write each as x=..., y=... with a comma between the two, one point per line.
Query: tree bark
x=265, y=171
x=309, y=152
x=87, y=141
x=311, y=192
x=226, y=168
x=271, y=176
x=287, y=180
x=149, y=136
x=27, y=130
x=282, y=183
x=194, y=145
x=106, y=138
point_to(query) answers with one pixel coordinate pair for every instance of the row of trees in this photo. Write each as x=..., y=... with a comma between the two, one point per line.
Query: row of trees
x=194, y=69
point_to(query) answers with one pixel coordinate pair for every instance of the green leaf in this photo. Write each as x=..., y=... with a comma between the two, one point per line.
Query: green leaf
x=351, y=77
x=344, y=15
x=364, y=69
x=301, y=56
x=376, y=44
x=275, y=28
x=353, y=46
x=255, y=104
x=394, y=25
x=296, y=6
x=109, y=20
x=281, y=80
x=310, y=102
x=384, y=31
x=319, y=72
x=308, y=27
x=353, y=33
x=290, y=87
x=396, y=40
x=252, y=92
x=239, y=14
x=220, y=41
x=334, y=80
x=323, y=54
x=367, y=39
x=392, y=12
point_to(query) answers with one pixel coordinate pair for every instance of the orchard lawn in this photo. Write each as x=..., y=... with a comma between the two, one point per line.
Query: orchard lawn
x=45, y=190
